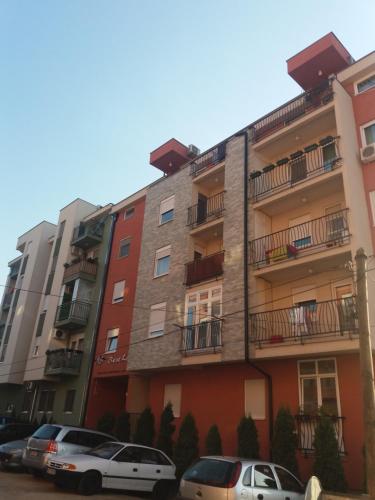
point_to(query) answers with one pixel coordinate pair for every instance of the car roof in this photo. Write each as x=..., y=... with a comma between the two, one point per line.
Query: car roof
x=84, y=429
x=245, y=461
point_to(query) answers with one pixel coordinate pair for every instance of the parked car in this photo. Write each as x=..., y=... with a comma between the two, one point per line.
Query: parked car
x=11, y=432
x=11, y=454
x=6, y=419
x=52, y=440
x=116, y=465
x=219, y=478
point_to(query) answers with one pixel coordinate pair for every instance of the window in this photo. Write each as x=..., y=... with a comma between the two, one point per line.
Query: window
x=300, y=231
x=368, y=134
x=157, y=319
x=372, y=203
x=318, y=386
x=255, y=399
x=166, y=210
x=162, y=261
x=112, y=338
x=131, y=454
x=124, y=247
x=287, y=481
x=263, y=477
x=129, y=212
x=24, y=264
x=46, y=400
x=367, y=84
x=118, y=292
x=69, y=400
x=36, y=350
x=41, y=320
x=172, y=394
x=27, y=401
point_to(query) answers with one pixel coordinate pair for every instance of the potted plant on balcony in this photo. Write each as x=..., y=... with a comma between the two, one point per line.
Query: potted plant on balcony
x=282, y=161
x=296, y=155
x=254, y=174
x=269, y=168
x=326, y=140
x=311, y=147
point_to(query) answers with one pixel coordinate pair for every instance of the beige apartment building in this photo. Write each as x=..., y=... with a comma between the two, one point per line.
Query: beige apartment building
x=19, y=312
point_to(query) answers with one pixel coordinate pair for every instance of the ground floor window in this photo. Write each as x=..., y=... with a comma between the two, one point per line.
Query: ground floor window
x=46, y=400
x=27, y=401
x=69, y=400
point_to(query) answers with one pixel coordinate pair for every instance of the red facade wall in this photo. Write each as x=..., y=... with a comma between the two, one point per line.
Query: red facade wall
x=216, y=395
x=109, y=378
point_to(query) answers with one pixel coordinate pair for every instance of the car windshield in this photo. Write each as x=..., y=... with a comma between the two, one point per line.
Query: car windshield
x=46, y=432
x=105, y=450
x=210, y=471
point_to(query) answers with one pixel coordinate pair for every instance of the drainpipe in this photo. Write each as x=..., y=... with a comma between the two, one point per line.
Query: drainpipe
x=99, y=307
x=267, y=376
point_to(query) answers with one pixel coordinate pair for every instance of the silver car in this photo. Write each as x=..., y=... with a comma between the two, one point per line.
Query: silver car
x=52, y=441
x=229, y=478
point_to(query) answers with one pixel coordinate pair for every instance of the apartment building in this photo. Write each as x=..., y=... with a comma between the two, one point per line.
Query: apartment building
x=19, y=312
x=62, y=344
x=110, y=381
x=307, y=214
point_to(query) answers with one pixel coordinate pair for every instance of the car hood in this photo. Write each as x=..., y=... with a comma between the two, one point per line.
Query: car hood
x=20, y=445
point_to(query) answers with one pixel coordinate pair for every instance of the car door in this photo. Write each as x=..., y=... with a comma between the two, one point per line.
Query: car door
x=153, y=467
x=264, y=484
x=123, y=470
x=290, y=486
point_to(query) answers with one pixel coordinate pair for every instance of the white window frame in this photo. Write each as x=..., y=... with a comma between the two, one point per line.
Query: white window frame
x=160, y=254
x=128, y=240
x=169, y=203
x=116, y=296
x=318, y=378
x=210, y=299
x=111, y=336
x=362, y=131
x=356, y=90
x=153, y=331
x=129, y=216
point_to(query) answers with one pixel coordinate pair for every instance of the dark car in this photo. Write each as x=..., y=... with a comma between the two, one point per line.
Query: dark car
x=11, y=454
x=14, y=431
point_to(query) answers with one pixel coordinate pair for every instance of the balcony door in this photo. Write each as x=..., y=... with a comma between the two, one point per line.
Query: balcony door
x=300, y=232
x=345, y=308
x=202, y=208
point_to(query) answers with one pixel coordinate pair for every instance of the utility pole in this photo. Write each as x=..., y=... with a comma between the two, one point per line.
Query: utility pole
x=367, y=370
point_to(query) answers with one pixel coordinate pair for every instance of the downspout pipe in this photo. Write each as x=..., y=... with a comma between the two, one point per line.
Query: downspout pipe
x=85, y=396
x=267, y=376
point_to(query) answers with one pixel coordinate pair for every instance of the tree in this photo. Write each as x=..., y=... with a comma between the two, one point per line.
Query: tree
x=106, y=422
x=186, y=450
x=122, y=430
x=285, y=441
x=213, y=441
x=145, y=430
x=165, y=442
x=248, y=445
x=327, y=464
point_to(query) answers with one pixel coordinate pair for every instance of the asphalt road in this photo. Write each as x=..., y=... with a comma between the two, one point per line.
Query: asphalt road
x=21, y=486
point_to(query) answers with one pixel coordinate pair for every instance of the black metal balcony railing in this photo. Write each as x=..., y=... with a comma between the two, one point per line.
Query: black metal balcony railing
x=204, y=269
x=72, y=314
x=292, y=110
x=315, y=319
x=208, y=160
x=303, y=239
x=63, y=362
x=306, y=425
x=206, y=210
x=88, y=235
x=205, y=335
x=313, y=161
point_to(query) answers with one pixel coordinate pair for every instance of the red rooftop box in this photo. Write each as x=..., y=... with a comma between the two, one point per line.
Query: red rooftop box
x=170, y=156
x=313, y=65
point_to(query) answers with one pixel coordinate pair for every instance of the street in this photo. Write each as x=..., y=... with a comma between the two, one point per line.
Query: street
x=17, y=486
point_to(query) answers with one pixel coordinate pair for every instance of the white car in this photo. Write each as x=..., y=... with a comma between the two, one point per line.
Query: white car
x=122, y=466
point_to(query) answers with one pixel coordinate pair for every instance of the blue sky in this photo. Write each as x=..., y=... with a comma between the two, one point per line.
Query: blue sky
x=89, y=88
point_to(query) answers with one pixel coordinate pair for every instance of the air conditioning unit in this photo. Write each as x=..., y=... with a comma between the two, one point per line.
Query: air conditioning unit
x=193, y=151
x=368, y=153
x=59, y=335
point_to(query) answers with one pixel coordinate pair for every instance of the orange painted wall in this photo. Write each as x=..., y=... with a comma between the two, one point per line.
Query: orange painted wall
x=110, y=394
x=216, y=395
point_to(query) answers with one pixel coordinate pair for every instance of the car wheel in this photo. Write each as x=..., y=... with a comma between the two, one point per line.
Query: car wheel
x=90, y=483
x=60, y=485
x=36, y=472
x=165, y=490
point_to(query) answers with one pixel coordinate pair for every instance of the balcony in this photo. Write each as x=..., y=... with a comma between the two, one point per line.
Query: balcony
x=63, y=362
x=310, y=237
x=206, y=268
x=72, y=315
x=14, y=270
x=83, y=269
x=88, y=235
x=203, y=337
x=208, y=160
x=292, y=111
x=315, y=160
x=206, y=210
x=302, y=322
x=7, y=301
x=306, y=425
